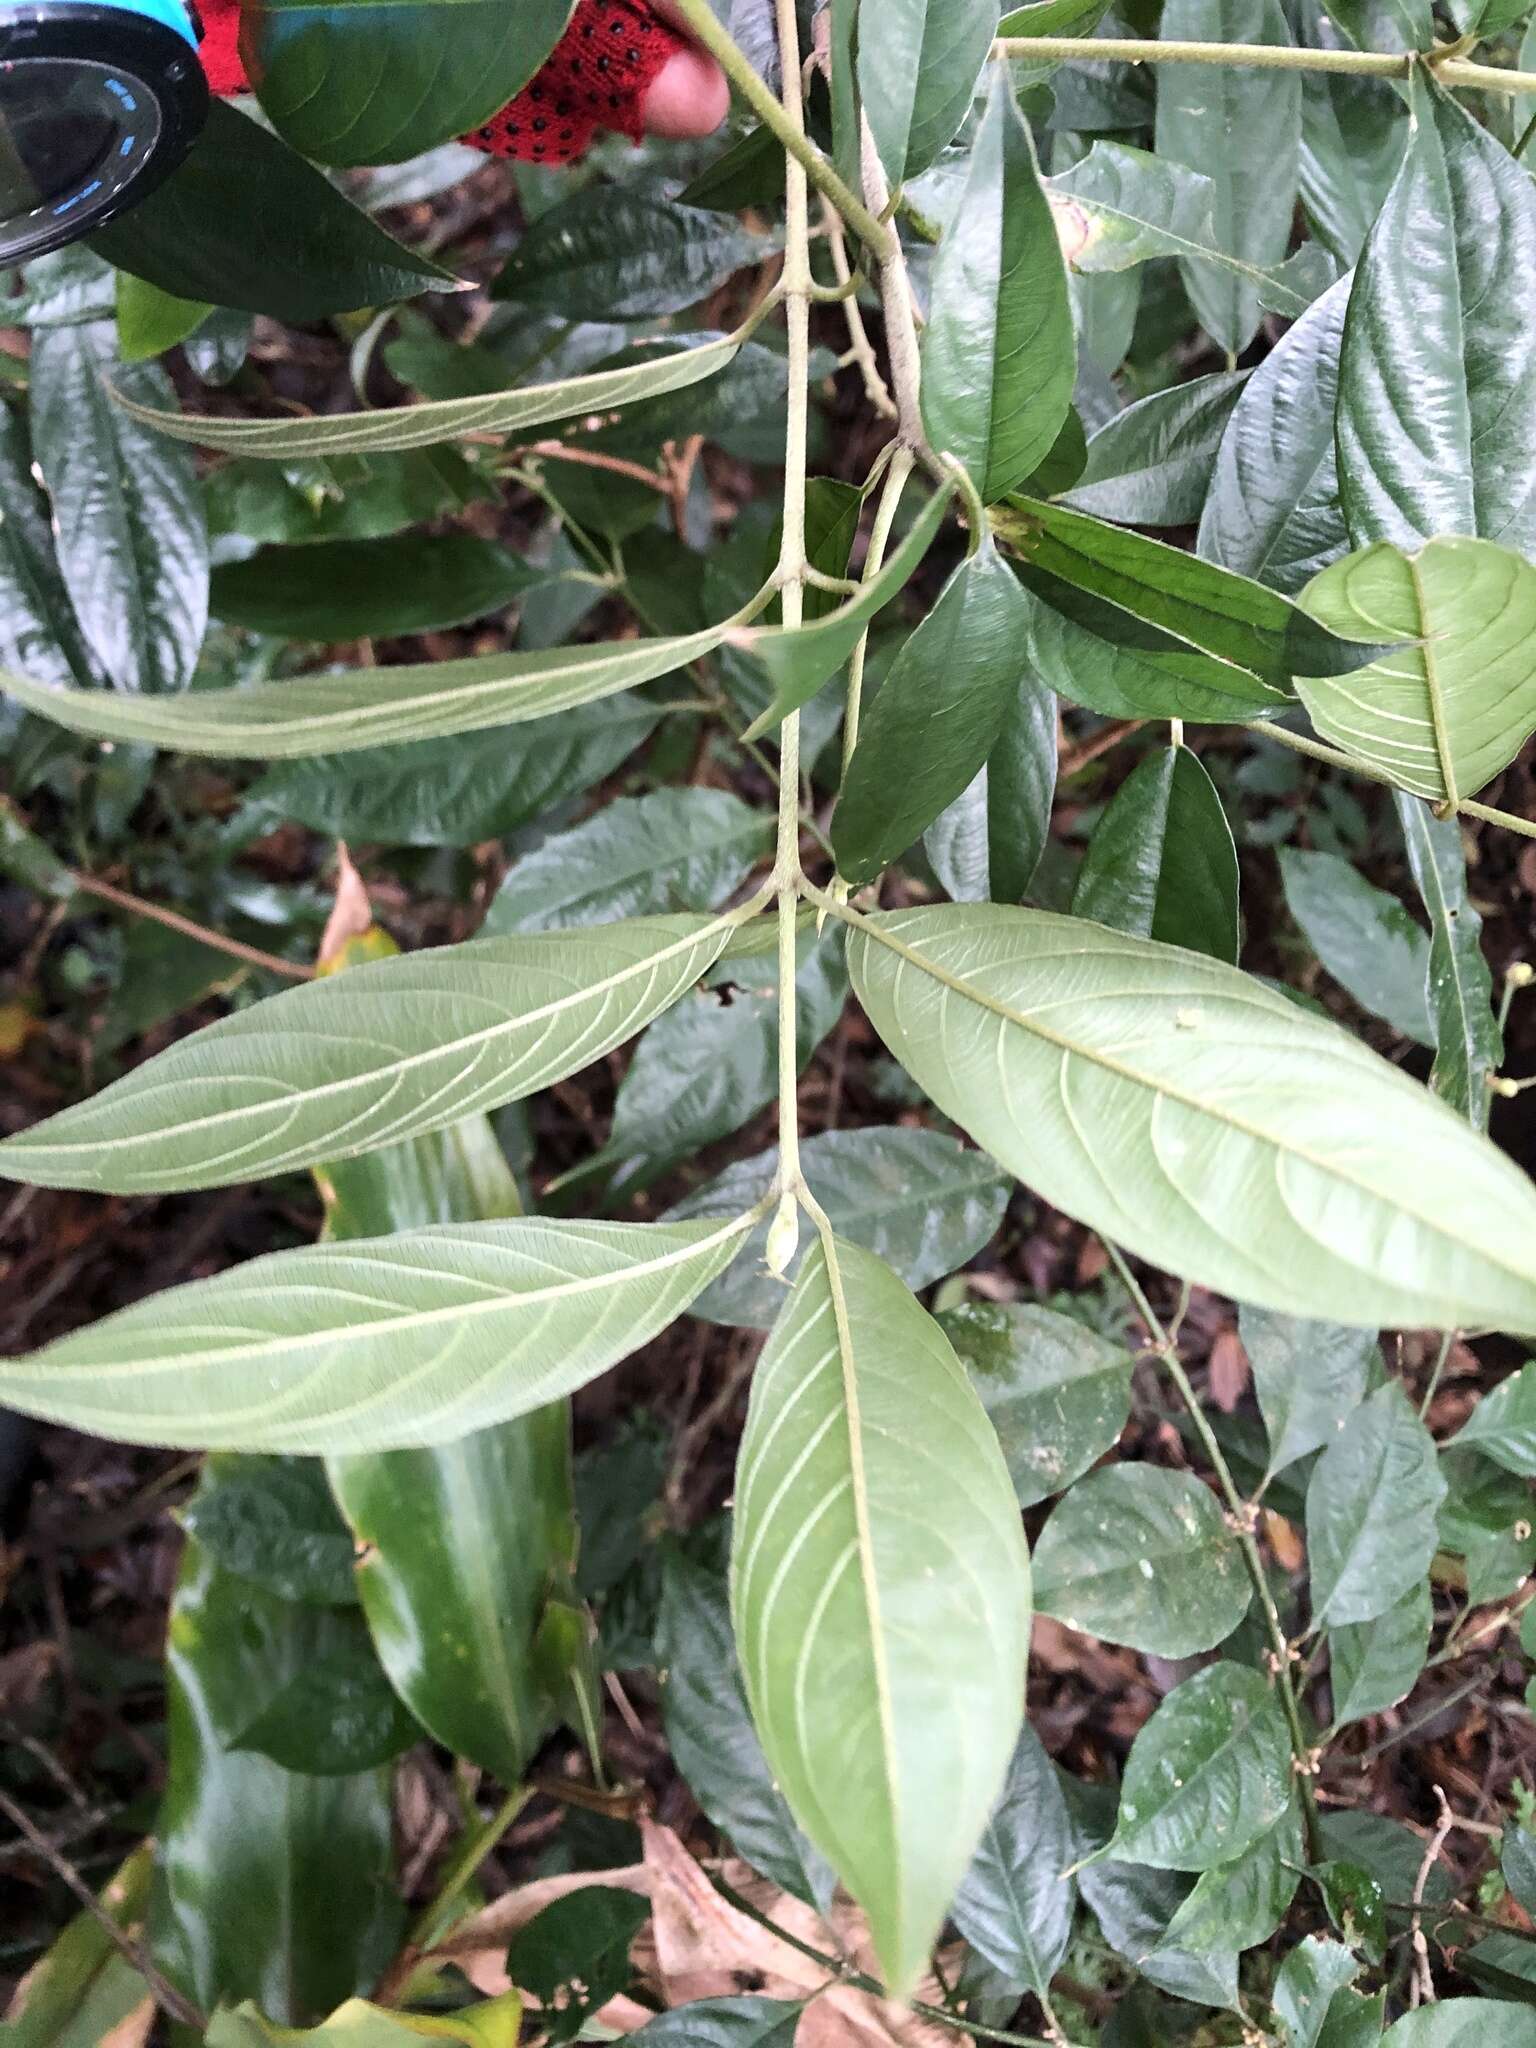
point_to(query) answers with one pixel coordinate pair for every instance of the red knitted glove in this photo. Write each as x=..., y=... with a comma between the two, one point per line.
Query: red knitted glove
x=598, y=77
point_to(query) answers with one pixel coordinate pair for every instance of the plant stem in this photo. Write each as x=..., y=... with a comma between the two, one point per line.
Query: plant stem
x=705, y=27
x=253, y=956
x=1264, y=57
x=901, y=467
x=1242, y=1518
x=1434, y=1379
x=1334, y=757
x=472, y=1853
x=875, y=387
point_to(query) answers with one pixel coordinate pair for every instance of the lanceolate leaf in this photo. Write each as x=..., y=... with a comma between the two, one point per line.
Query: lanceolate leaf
x=1371, y=1506
x=1101, y=656
x=378, y=1344
x=1443, y=716
x=1437, y=381
x=1374, y=1664
x=38, y=627
x=938, y=716
x=1503, y=1424
x=999, y=360
x=1309, y=1378
x=1014, y=1906
x=1273, y=511
x=1352, y=136
x=880, y=1590
x=384, y=1053
x=987, y=844
x=1201, y=1119
x=1469, y=1042
x=608, y=253
x=1151, y=464
x=351, y=589
x=1364, y=936
x=917, y=77
x=1162, y=862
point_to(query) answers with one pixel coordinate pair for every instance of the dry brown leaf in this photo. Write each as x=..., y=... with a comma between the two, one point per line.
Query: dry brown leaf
x=351, y=912
x=1228, y=1371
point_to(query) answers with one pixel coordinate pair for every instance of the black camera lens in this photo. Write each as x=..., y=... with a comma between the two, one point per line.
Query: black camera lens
x=55, y=131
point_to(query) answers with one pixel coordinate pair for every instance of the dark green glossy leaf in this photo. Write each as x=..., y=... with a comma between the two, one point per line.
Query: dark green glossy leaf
x=333, y=1712
x=1469, y=1042
x=1012, y=1904
x=1486, y=1519
x=1236, y=1905
x=273, y=1521
x=246, y=222
x=1100, y=656
x=1308, y=1376
x=1207, y=1775
x=711, y=1737
x=938, y=716
x=1503, y=1964
x=1363, y=936
x=1141, y=1556
x=987, y=844
x=1134, y=1905
x=39, y=630
x=1503, y=1424
x=1058, y=1394
x=1273, y=511
x=1371, y=1505
x=1201, y=109
x=362, y=589
x=1151, y=464
x=999, y=359
x=918, y=75
x=1352, y=136
x=1439, y=349
x=127, y=519
x=925, y=1203
x=1517, y=1860
x=723, y=2023
x=1374, y=1664
x=360, y=82
x=343, y=497
x=574, y=1955
x=1315, y=1975
x=609, y=253
x=1162, y=861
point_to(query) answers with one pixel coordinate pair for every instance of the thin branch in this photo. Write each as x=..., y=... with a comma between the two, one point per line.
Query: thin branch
x=593, y=458
x=1422, y=1990
x=253, y=956
x=876, y=390
x=1335, y=757
x=1449, y=69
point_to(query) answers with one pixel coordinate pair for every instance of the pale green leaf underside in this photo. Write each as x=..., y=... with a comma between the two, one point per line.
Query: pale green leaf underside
x=1441, y=718
x=880, y=1589
x=1203, y=1120
x=448, y=419
x=376, y=1344
x=383, y=1053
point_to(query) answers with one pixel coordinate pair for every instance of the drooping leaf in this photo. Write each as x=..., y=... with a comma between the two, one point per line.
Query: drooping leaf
x=919, y=1199
x=1207, y=1775
x=1201, y=110
x=1363, y=936
x=1469, y=1042
x=127, y=519
x=999, y=359
x=1058, y=1394
x=1293, y=1151
x=1162, y=862
x=1273, y=509
x=1236, y=1905
x=987, y=844
x=610, y=254
x=1013, y=1906
x=1352, y=136
x=891, y=1725
x=1141, y=1556
x=1443, y=716
x=711, y=1737
x=1371, y=1505
x=380, y=1344
x=939, y=714
x=410, y=583
x=1151, y=464
x=1308, y=1377
x=1439, y=348
x=391, y=1050
x=1374, y=1664
x=917, y=77
x=1503, y=1424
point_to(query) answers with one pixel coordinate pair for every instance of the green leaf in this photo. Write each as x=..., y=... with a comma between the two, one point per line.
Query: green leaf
x=357, y=82
x=1352, y=136
x=1207, y=1775
x=271, y=1885
x=1133, y=1906
x=246, y=222
x=1312, y=1979
x=393, y=428
x=1465, y=2023
x=999, y=360
x=1140, y=1556
x=1308, y=1378
x=1371, y=1505
x=677, y=849
x=1237, y=1905
x=1504, y=1964
x=343, y=497
x=1162, y=862
x=1257, y=1150
x=1107, y=660
x=393, y=1049
x=1486, y=1519
x=1054, y=18
x=1151, y=464
x=1374, y=1664
x=1012, y=1905
x=939, y=714
x=918, y=76
x=722, y=2023
x=1205, y=606
x=711, y=1737
x=127, y=519
x=381, y=1344
x=1058, y=1394
x=919, y=1199
x=491, y=2023
x=332, y=1712
x=1469, y=1039
x=614, y=254
x=1439, y=352
x=1273, y=511
x=39, y=630
x=1517, y=1860
x=1503, y=1424
x=1201, y=108
x=361, y=589
x=573, y=1957
x=1446, y=715
x=150, y=321
x=1363, y=936
x=987, y=844
x=83, y=1987
x=273, y=1521
x=868, y=1470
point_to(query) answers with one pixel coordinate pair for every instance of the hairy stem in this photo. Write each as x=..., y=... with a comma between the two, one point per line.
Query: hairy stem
x=1448, y=69
x=157, y=913
x=901, y=467
x=1334, y=757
